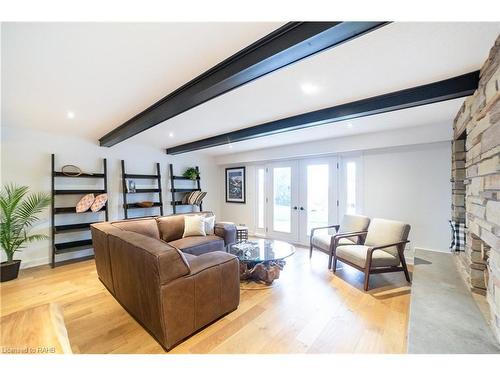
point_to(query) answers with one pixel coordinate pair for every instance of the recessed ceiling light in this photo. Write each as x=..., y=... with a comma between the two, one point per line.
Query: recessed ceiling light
x=230, y=146
x=171, y=134
x=349, y=125
x=70, y=115
x=309, y=88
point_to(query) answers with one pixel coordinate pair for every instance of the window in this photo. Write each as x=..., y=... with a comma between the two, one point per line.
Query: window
x=351, y=187
x=317, y=196
x=260, y=197
x=282, y=193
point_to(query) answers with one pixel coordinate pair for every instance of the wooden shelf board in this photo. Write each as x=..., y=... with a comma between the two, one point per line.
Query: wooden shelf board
x=67, y=247
x=83, y=175
x=184, y=190
x=74, y=260
x=139, y=191
x=142, y=176
x=73, y=227
x=68, y=192
x=179, y=203
x=72, y=210
x=184, y=178
x=130, y=206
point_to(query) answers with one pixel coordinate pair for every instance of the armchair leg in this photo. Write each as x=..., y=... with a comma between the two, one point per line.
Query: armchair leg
x=403, y=263
x=405, y=269
x=368, y=266
x=334, y=266
x=330, y=261
x=367, y=279
x=310, y=251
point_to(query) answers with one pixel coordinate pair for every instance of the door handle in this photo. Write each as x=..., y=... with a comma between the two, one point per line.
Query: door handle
x=301, y=208
x=295, y=208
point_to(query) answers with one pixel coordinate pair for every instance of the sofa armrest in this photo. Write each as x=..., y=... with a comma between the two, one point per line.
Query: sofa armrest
x=207, y=260
x=227, y=231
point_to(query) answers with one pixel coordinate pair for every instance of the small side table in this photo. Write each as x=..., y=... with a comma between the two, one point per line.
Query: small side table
x=241, y=233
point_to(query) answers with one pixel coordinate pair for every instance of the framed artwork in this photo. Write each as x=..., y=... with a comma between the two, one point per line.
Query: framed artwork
x=235, y=185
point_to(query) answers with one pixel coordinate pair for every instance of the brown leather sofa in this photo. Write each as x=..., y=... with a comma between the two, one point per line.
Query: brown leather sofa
x=172, y=286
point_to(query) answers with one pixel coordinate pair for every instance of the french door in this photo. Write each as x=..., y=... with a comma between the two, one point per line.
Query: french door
x=318, y=195
x=282, y=202
x=300, y=195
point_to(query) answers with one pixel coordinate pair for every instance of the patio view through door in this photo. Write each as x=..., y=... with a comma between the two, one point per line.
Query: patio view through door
x=283, y=201
x=300, y=195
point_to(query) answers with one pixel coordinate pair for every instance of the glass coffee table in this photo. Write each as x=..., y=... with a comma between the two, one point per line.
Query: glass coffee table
x=261, y=260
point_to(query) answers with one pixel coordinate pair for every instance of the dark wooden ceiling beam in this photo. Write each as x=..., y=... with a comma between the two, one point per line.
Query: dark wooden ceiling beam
x=447, y=89
x=284, y=46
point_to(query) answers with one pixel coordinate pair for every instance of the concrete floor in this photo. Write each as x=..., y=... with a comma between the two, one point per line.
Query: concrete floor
x=444, y=318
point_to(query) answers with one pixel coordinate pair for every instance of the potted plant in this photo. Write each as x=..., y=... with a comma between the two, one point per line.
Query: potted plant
x=18, y=213
x=191, y=173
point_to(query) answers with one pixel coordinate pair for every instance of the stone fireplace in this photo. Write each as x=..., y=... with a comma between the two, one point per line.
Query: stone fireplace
x=476, y=183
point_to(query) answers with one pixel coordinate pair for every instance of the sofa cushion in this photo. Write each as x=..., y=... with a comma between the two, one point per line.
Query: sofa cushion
x=146, y=227
x=354, y=223
x=84, y=203
x=383, y=232
x=357, y=254
x=209, y=224
x=322, y=241
x=172, y=227
x=199, y=245
x=99, y=202
x=194, y=225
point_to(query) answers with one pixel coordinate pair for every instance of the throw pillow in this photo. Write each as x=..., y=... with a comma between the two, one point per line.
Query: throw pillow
x=194, y=225
x=191, y=199
x=99, y=202
x=186, y=197
x=209, y=224
x=85, y=203
x=200, y=197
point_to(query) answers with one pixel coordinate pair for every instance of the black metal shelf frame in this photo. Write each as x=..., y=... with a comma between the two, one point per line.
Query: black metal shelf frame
x=174, y=190
x=131, y=206
x=71, y=246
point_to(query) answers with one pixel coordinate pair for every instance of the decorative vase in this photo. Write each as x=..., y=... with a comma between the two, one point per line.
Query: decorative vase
x=9, y=270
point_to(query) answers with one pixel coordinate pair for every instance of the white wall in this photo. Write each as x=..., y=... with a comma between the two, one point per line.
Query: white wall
x=25, y=160
x=409, y=183
x=238, y=212
x=365, y=141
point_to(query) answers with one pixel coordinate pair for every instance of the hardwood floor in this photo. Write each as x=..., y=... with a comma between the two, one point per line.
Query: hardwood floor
x=308, y=310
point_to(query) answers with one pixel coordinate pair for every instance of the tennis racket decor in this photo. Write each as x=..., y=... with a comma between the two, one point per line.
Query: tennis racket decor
x=72, y=170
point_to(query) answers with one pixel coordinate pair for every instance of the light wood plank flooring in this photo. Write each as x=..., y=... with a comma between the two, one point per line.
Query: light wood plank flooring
x=308, y=310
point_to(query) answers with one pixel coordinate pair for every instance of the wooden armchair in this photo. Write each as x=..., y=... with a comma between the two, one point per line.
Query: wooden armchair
x=351, y=224
x=382, y=250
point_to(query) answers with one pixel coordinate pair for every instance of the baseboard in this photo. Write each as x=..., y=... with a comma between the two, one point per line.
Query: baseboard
x=34, y=262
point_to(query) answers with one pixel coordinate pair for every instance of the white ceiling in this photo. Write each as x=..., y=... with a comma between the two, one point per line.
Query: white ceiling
x=106, y=73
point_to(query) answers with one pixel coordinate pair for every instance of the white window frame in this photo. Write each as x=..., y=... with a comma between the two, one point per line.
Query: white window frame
x=343, y=160
x=260, y=231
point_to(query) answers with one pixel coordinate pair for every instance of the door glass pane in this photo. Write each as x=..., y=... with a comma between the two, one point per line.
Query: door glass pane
x=260, y=198
x=282, y=193
x=317, y=196
x=351, y=188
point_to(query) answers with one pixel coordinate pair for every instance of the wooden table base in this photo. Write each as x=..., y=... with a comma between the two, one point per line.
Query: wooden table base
x=265, y=272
